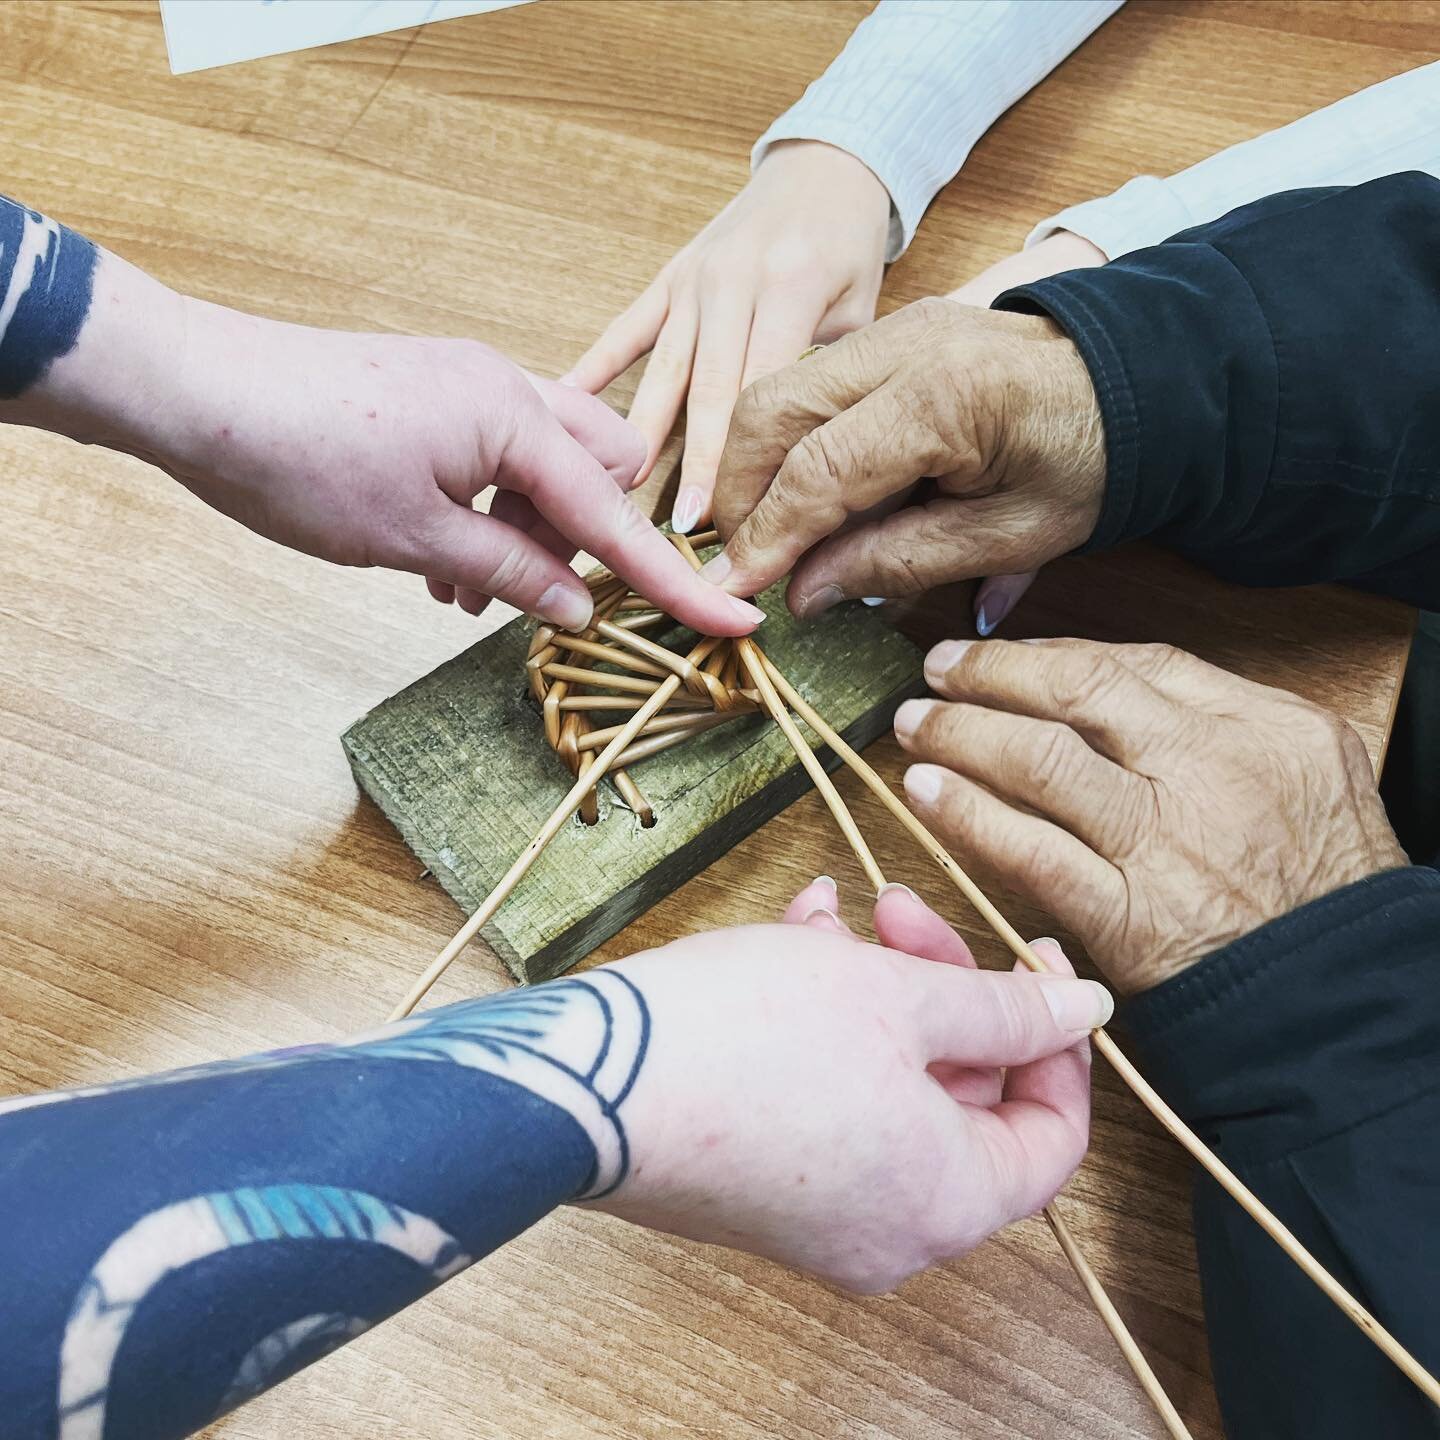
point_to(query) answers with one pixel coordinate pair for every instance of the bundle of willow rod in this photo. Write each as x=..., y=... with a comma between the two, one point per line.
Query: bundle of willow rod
x=769, y=689
x=567, y=679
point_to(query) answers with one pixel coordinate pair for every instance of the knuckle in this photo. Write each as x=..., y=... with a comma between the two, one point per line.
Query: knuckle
x=509, y=573
x=1054, y=761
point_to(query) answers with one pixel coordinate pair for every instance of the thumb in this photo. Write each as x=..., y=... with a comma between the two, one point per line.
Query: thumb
x=982, y=1017
x=474, y=551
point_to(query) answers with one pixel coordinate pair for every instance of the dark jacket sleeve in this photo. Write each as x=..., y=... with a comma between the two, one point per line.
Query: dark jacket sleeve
x=1307, y=1054
x=1270, y=387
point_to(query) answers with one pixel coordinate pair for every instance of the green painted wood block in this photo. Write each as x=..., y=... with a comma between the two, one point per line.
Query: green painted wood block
x=459, y=764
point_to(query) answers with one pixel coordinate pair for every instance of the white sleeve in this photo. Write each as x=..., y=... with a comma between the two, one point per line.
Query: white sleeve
x=920, y=81
x=1390, y=127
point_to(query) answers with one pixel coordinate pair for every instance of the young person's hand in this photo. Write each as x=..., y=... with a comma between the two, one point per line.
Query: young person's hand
x=824, y=466
x=860, y=1111
x=796, y=256
x=371, y=449
x=1155, y=805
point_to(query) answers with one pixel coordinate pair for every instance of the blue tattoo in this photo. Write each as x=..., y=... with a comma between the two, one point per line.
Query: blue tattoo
x=175, y=1245
x=46, y=277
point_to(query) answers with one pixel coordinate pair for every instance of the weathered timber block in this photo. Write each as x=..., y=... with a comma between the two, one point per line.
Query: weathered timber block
x=459, y=764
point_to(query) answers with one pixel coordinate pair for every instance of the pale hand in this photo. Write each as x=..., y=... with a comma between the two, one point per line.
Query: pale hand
x=1158, y=807
x=797, y=255
x=370, y=449
x=823, y=469
x=849, y=1109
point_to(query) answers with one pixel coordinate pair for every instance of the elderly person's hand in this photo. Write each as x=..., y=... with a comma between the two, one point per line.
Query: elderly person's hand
x=1158, y=807
x=994, y=413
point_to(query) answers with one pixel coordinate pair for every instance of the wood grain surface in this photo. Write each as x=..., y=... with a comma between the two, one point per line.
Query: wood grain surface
x=189, y=872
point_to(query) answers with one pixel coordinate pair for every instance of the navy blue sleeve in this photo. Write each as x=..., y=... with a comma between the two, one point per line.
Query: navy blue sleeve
x=1270, y=387
x=1307, y=1054
x=46, y=281
x=175, y=1245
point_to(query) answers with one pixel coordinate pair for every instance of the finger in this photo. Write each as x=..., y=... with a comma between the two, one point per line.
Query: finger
x=987, y=1017
x=667, y=376
x=1043, y=765
x=472, y=551
x=778, y=410
x=1184, y=678
x=624, y=340
x=820, y=893
x=606, y=434
x=1045, y=1112
x=997, y=597
x=519, y=512
x=440, y=591
x=1084, y=687
x=570, y=490
x=903, y=921
x=714, y=385
x=881, y=445
x=921, y=547
x=785, y=324
x=1043, y=862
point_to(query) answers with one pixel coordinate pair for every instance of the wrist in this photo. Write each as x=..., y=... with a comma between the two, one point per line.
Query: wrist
x=835, y=175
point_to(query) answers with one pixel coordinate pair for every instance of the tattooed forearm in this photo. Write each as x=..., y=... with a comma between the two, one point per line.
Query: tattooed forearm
x=46, y=276
x=175, y=1245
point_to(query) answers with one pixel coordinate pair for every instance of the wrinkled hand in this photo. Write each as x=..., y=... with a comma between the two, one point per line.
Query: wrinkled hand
x=851, y=1109
x=797, y=255
x=370, y=449
x=997, y=595
x=996, y=409
x=1158, y=807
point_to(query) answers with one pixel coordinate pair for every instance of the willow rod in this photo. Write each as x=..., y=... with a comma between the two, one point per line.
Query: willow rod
x=1231, y=1183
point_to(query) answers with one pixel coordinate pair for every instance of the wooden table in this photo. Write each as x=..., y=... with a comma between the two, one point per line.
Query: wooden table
x=189, y=873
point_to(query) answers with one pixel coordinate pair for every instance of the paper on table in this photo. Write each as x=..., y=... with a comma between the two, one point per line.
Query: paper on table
x=200, y=34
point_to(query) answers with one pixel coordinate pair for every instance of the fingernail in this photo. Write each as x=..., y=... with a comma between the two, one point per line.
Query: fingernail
x=1077, y=1005
x=743, y=608
x=943, y=658
x=821, y=601
x=872, y=600
x=923, y=782
x=826, y=880
x=911, y=715
x=991, y=607
x=890, y=885
x=563, y=607
x=820, y=915
x=716, y=568
x=688, y=505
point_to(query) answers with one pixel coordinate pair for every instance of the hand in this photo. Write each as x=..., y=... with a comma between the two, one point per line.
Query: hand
x=997, y=595
x=851, y=1109
x=1158, y=807
x=370, y=449
x=997, y=409
x=797, y=255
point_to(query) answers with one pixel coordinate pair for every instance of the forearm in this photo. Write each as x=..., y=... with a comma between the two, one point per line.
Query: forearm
x=1382, y=130
x=1265, y=384
x=1306, y=1053
x=90, y=346
x=918, y=84
x=175, y=1245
